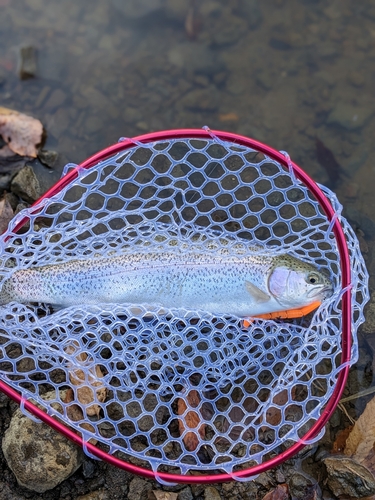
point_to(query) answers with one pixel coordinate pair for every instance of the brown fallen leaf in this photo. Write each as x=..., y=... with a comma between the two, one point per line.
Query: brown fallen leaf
x=21, y=133
x=229, y=117
x=360, y=443
x=273, y=414
x=75, y=414
x=279, y=493
x=86, y=382
x=162, y=495
x=191, y=420
x=362, y=437
x=340, y=441
x=6, y=214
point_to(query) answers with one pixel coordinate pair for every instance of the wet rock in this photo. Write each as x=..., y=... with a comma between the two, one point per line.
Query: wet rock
x=2, y=77
x=368, y=327
x=39, y=457
x=201, y=99
x=177, y=10
x=266, y=78
x=136, y=9
x=162, y=495
x=281, y=492
x=27, y=63
x=6, y=214
x=26, y=185
x=185, y=494
x=356, y=78
x=48, y=158
x=350, y=117
x=299, y=485
x=117, y=482
x=93, y=124
x=88, y=468
x=55, y=100
x=138, y=489
x=348, y=478
x=228, y=30
x=97, y=100
x=7, y=493
x=236, y=85
x=359, y=219
x=196, y=57
x=211, y=493
x=250, y=9
x=95, y=495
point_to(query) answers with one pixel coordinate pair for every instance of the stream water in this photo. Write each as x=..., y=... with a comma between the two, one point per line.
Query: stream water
x=295, y=74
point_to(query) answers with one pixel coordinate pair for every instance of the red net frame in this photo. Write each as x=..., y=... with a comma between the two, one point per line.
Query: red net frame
x=125, y=144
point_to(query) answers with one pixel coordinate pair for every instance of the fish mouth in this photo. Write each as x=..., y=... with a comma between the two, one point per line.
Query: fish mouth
x=325, y=291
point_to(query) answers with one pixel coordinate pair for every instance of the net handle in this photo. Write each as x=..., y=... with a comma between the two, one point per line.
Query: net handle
x=239, y=140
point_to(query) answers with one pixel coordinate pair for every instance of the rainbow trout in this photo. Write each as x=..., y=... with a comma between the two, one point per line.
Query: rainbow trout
x=250, y=285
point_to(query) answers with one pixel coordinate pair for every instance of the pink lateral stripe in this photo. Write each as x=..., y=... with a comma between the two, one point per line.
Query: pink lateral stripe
x=346, y=304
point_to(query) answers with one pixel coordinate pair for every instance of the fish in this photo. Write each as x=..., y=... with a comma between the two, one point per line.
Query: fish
x=244, y=285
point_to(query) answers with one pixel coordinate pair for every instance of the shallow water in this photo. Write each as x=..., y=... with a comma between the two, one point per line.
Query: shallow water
x=283, y=72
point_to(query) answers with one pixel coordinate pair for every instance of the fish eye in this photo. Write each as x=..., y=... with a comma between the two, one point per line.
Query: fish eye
x=313, y=278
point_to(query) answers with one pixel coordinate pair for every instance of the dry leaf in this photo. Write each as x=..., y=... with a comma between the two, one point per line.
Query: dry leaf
x=229, y=117
x=21, y=133
x=273, y=414
x=361, y=440
x=86, y=381
x=340, y=441
x=75, y=414
x=279, y=493
x=6, y=214
x=162, y=495
x=191, y=420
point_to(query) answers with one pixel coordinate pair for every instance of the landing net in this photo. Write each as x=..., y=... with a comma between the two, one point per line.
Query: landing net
x=169, y=392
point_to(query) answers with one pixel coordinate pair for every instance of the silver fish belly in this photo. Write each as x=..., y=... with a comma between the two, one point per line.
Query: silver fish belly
x=194, y=281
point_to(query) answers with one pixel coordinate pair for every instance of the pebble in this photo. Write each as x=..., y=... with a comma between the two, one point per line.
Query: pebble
x=28, y=62
x=56, y=99
x=6, y=214
x=299, y=485
x=3, y=77
x=228, y=30
x=356, y=78
x=369, y=325
x=95, y=495
x=252, y=12
x=206, y=99
x=211, y=493
x=48, y=158
x=350, y=117
x=26, y=185
x=138, y=489
x=185, y=494
x=177, y=10
x=196, y=57
x=39, y=457
x=162, y=495
x=93, y=124
x=359, y=219
x=346, y=477
x=136, y=9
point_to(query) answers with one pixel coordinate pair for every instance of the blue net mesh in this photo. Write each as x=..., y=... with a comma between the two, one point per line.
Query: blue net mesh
x=168, y=388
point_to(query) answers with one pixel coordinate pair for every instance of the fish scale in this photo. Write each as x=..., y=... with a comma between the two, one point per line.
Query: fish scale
x=219, y=284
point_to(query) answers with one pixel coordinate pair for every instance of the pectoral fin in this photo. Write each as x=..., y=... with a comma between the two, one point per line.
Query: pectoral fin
x=256, y=293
